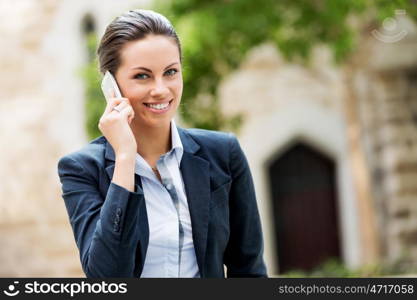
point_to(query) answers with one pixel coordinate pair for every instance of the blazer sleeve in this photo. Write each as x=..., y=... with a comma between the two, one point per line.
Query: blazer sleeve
x=104, y=228
x=244, y=253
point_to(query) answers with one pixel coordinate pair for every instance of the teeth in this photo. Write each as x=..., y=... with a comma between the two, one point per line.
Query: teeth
x=158, y=106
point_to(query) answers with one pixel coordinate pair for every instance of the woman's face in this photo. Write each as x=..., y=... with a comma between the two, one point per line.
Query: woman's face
x=150, y=77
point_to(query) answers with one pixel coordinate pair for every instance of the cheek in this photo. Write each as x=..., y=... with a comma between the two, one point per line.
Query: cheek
x=177, y=88
x=136, y=93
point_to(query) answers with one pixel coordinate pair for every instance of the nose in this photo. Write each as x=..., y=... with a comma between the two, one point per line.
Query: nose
x=159, y=90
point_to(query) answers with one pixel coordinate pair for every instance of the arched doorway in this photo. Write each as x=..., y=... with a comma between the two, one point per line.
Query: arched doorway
x=304, y=202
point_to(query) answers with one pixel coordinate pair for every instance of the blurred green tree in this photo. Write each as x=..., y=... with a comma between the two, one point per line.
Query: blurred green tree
x=217, y=34
x=95, y=103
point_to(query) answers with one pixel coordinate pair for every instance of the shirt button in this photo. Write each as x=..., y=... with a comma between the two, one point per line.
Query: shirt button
x=169, y=186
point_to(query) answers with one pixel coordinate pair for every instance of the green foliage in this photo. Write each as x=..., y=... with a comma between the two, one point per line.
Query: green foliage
x=216, y=35
x=330, y=268
x=95, y=103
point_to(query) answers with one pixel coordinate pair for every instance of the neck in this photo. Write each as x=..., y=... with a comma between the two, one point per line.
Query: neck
x=152, y=141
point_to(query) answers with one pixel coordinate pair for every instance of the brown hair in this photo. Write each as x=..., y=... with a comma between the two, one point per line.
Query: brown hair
x=130, y=26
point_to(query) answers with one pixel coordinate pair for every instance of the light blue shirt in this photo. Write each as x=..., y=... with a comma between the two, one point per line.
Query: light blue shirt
x=171, y=248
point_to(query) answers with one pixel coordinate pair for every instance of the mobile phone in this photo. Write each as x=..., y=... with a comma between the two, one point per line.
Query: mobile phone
x=108, y=84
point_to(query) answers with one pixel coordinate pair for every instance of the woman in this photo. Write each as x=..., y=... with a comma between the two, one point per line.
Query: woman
x=150, y=199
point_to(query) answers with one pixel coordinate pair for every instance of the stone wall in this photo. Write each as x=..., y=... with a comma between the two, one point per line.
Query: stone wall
x=385, y=85
x=33, y=226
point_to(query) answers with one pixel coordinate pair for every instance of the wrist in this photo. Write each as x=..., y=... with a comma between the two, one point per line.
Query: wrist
x=125, y=156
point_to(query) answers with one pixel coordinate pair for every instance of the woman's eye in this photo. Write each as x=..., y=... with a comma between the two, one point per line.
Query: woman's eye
x=171, y=72
x=142, y=76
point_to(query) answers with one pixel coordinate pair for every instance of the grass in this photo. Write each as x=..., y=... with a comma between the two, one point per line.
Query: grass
x=335, y=268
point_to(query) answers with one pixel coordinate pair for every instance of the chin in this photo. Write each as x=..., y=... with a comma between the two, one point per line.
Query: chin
x=157, y=123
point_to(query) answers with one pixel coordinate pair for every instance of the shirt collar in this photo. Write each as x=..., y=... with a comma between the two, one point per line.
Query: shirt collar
x=176, y=142
x=142, y=167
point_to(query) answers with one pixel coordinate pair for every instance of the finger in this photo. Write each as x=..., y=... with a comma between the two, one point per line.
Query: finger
x=122, y=104
x=131, y=116
x=119, y=107
x=127, y=112
x=117, y=101
x=112, y=103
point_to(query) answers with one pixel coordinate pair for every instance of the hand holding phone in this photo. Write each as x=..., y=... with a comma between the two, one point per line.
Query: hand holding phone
x=114, y=123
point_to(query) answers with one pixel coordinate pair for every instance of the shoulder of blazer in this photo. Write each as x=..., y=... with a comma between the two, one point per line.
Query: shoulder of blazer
x=209, y=139
x=92, y=153
x=213, y=146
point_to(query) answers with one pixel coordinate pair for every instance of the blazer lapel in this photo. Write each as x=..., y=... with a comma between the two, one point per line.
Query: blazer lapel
x=110, y=160
x=195, y=173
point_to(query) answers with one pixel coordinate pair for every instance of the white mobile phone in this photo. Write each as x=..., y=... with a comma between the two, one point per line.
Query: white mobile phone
x=109, y=83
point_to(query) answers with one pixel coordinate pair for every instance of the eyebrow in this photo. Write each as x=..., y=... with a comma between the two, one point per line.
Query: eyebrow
x=146, y=69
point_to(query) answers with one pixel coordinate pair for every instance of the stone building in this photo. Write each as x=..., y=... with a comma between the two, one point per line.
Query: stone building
x=333, y=150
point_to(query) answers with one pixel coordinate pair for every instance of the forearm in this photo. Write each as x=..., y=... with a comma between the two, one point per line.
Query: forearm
x=124, y=171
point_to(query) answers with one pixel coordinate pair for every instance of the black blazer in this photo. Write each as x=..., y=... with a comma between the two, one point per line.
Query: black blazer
x=110, y=223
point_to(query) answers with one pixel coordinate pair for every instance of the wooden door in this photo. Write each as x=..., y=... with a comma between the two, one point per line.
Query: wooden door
x=303, y=188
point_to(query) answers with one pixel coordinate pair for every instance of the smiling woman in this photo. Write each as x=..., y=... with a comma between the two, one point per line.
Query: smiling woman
x=148, y=198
